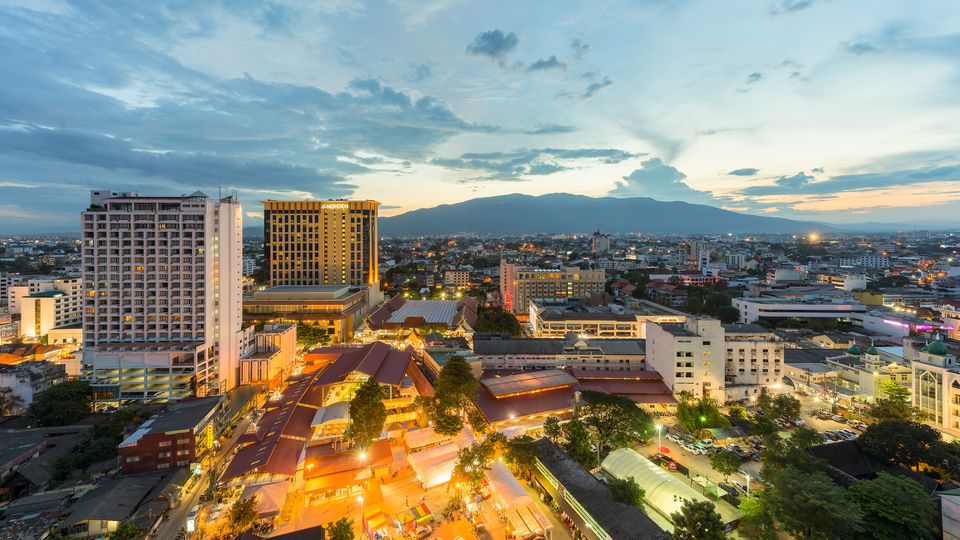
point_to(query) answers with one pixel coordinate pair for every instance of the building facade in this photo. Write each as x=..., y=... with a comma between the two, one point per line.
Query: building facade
x=754, y=361
x=456, y=277
x=519, y=285
x=321, y=242
x=691, y=357
x=162, y=296
x=177, y=437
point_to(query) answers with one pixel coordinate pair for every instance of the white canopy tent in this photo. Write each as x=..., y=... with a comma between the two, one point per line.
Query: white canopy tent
x=508, y=490
x=665, y=493
x=434, y=466
x=421, y=438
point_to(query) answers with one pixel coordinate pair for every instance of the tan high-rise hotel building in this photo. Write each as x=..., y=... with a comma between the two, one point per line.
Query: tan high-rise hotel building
x=321, y=242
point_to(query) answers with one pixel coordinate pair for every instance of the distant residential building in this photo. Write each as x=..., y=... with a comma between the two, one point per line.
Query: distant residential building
x=456, y=277
x=601, y=243
x=44, y=303
x=736, y=260
x=666, y=293
x=873, y=262
x=519, y=285
x=321, y=242
x=162, y=296
x=27, y=379
x=177, y=437
x=754, y=309
x=249, y=267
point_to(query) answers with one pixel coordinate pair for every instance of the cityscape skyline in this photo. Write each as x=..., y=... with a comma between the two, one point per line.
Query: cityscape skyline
x=808, y=110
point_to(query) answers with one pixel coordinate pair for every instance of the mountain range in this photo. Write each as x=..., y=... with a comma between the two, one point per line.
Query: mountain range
x=562, y=212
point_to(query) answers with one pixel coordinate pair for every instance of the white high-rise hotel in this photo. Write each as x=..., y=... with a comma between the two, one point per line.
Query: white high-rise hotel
x=162, y=297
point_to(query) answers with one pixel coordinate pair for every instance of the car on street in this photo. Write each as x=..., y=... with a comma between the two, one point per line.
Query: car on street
x=838, y=418
x=423, y=531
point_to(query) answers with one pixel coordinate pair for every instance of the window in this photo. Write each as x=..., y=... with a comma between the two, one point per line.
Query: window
x=163, y=455
x=133, y=459
x=163, y=444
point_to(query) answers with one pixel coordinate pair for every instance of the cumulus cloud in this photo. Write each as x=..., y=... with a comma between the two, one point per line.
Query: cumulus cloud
x=859, y=48
x=493, y=44
x=546, y=63
x=419, y=72
x=657, y=180
x=748, y=171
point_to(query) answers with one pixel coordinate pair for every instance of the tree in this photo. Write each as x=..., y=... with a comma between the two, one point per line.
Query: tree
x=725, y=463
x=810, y=505
x=10, y=403
x=907, y=443
x=455, y=383
x=782, y=406
x=522, y=455
x=310, y=335
x=242, y=515
x=615, y=421
x=895, y=405
x=728, y=314
x=628, y=491
x=804, y=437
x=497, y=321
x=894, y=507
x=472, y=462
x=127, y=531
x=697, y=520
x=341, y=529
x=577, y=444
x=367, y=413
x=552, y=428
x=757, y=521
x=61, y=405
x=696, y=415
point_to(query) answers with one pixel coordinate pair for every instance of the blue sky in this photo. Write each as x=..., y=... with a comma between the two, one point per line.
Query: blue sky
x=811, y=109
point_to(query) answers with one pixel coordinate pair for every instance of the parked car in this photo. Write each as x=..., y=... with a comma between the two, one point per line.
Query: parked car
x=706, y=443
x=837, y=418
x=423, y=531
x=675, y=438
x=740, y=486
x=799, y=421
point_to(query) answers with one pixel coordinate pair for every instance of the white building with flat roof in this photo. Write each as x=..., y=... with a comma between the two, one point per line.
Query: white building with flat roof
x=162, y=296
x=691, y=357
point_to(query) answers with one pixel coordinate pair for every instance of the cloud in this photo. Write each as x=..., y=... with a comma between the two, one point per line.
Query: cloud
x=803, y=184
x=419, y=72
x=754, y=77
x=749, y=171
x=535, y=161
x=579, y=48
x=595, y=87
x=544, y=64
x=789, y=6
x=657, y=180
x=493, y=44
x=551, y=129
x=858, y=48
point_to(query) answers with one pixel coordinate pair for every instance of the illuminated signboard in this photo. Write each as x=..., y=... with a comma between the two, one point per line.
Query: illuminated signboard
x=335, y=206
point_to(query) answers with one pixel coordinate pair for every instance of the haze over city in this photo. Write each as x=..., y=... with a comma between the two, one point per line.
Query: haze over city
x=814, y=110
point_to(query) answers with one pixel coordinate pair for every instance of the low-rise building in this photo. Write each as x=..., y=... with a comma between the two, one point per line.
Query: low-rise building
x=271, y=355
x=27, y=379
x=851, y=377
x=572, y=351
x=551, y=319
x=456, y=277
x=754, y=361
x=337, y=308
x=177, y=437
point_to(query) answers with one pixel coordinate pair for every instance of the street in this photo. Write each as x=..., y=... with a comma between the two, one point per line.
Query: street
x=170, y=526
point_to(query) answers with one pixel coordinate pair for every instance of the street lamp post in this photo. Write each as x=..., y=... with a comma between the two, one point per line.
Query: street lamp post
x=703, y=420
x=747, y=475
x=659, y=443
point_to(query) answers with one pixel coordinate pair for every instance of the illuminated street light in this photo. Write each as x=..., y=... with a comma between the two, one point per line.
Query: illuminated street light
x=659, y=443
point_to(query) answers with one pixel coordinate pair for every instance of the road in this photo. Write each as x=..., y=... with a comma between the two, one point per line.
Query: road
x=170, y=526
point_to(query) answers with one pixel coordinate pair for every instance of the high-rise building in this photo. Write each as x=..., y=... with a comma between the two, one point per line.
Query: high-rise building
x=519, y=285
x=601, y=243
x=321, y=242
x=162, y=296
x=44, y=303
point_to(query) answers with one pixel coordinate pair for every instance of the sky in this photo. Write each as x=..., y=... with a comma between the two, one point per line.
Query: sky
x=825, y=110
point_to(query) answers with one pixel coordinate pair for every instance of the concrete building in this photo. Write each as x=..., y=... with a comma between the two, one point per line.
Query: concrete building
x=44, y=302
x=852, y=377
x=249, y=267
x=162, y=296
x=177, y=437
x=557, y=318
x=951, y=319
x=456, y=277
x=27, y=379
x=271, y=356
x=519, y=285
x=601, y=243
x=936, y=387
x=754, y=361
x=873, y=262
x=571, y=351
x=754, y=309
x=321, y=242
x=691, y=357
x=338, y=308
